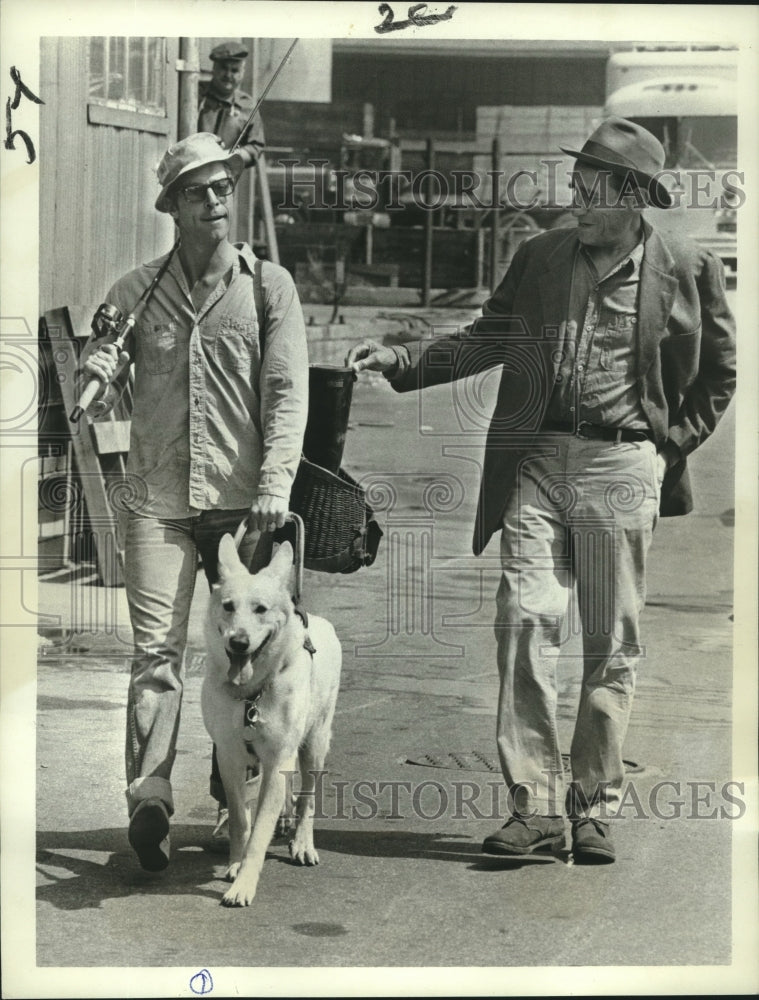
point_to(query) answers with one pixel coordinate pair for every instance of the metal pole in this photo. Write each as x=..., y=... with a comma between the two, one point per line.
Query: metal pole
x=266, y=210
x=428, y=220
x=494, y=199
x=479, y=264
x=189, y=54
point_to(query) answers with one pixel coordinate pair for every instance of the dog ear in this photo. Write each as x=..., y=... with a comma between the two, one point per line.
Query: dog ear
x=229, y=561
x=282, y=562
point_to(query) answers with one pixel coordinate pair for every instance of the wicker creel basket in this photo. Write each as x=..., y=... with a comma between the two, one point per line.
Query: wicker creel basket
x=341, y=534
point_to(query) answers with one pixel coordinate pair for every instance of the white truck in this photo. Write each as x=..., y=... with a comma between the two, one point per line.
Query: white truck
x=687, y=96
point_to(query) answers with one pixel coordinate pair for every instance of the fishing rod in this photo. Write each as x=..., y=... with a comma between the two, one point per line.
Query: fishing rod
x=260, y=100
x=110, y=321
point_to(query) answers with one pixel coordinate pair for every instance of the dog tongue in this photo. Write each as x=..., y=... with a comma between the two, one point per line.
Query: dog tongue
x=237, y=673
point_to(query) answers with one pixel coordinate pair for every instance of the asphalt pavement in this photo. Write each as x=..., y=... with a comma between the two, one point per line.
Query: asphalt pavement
x=413, y=784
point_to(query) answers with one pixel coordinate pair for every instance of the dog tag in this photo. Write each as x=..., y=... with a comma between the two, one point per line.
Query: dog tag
x=251, y=714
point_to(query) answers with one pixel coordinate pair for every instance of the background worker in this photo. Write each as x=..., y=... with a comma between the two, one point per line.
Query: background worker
x=224, y=109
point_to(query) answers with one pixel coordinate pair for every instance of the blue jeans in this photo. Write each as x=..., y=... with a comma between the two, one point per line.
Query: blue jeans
x=581, y=516
x=160, y=568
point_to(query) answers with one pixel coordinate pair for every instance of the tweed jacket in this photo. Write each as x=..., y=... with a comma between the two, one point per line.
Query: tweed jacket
x=685, y=357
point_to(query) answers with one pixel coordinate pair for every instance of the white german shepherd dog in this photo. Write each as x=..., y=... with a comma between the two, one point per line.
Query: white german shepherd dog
x=265, y=694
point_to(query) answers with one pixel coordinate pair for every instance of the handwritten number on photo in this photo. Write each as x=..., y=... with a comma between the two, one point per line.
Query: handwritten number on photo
x=10, y=132
x=201, y=983
x=415, y=19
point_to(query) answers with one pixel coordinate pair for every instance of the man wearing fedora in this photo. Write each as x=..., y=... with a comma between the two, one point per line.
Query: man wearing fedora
x=617, y=350
x=224, y=109
x=216, y=435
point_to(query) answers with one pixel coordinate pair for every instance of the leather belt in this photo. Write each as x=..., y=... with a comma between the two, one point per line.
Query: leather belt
x=596, y=432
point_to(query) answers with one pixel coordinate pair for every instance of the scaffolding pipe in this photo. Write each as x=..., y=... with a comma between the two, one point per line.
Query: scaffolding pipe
x=494, y=220
x=189, y=71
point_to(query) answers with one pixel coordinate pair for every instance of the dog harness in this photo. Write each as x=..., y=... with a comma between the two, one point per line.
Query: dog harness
x=303, y=615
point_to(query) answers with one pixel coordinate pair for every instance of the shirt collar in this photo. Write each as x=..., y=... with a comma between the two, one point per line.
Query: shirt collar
x=234, y=258
x=630, y=263
x=245, y=256
x=223, y=98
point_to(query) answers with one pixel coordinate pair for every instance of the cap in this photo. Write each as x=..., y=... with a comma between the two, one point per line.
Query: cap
x=228, y=50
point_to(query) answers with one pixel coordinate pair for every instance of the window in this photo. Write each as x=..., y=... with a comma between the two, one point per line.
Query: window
x=127, y=82
x=696, y=141
x=129, y=73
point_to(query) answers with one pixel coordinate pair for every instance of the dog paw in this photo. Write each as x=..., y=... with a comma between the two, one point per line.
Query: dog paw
x=303, y=854
x=239, y=894
x=231, y=873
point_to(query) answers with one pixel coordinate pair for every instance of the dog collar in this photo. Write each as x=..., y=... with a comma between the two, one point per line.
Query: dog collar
x=251, y=715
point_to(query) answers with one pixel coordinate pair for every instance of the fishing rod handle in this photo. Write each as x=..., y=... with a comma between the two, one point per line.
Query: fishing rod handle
x=95, y=385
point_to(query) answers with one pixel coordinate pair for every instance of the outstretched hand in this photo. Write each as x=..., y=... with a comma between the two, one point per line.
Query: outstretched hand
x=371, y=356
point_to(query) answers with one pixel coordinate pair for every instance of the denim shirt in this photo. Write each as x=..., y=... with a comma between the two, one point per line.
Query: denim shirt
x=596, y=380
x=212, y=426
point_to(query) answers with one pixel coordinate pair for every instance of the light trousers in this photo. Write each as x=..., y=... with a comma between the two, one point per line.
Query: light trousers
x=581, y=518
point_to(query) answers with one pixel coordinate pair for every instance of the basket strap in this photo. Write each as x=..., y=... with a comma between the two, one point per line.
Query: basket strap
x=242, y=528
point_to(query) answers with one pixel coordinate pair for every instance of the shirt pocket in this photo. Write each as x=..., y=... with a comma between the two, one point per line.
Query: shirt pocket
x=159, y=348
x=236, y=342
x=618, y=342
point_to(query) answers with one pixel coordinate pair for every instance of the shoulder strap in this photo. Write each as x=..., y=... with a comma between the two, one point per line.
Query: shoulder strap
x=258, y=297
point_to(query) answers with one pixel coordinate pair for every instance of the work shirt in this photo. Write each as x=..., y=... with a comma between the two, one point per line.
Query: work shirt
x=596, y=377
x=226, y=117
x=213, y=426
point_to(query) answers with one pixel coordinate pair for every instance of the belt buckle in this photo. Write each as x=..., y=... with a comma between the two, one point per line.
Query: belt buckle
x=579, y=433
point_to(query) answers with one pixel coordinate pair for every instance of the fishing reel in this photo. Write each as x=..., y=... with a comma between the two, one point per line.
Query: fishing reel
x=108, y=321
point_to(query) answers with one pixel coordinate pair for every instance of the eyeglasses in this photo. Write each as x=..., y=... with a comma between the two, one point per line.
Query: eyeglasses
x=195, y=193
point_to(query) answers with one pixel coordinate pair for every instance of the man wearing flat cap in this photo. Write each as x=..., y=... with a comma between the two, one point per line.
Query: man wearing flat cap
x=617, y=350
x=216, y=435
x=224, y=109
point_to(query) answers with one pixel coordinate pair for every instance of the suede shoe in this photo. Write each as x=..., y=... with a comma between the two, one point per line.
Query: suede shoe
x=149, y=834
x=591, y=842
x=522, y=835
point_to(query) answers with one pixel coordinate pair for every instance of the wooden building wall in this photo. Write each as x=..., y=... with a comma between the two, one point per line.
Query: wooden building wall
x=97, y=183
